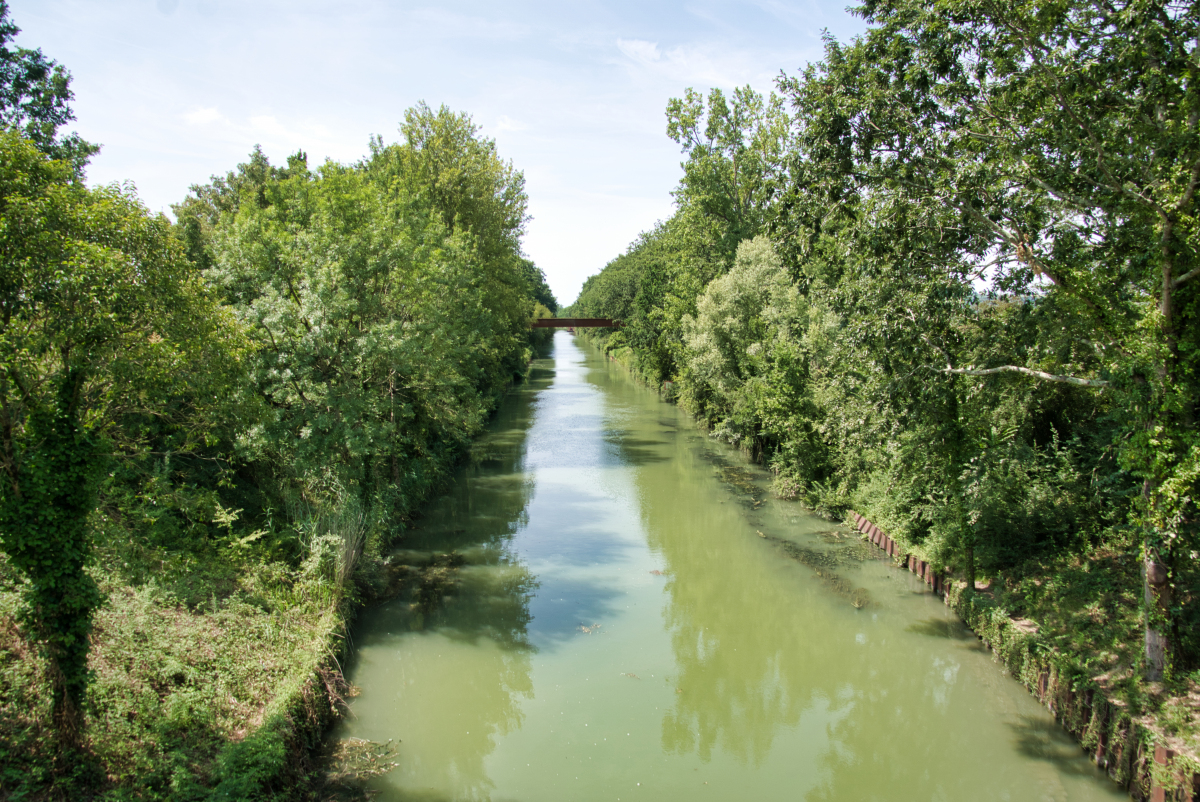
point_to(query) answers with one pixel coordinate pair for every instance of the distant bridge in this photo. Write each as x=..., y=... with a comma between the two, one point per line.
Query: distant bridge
x=577, y=323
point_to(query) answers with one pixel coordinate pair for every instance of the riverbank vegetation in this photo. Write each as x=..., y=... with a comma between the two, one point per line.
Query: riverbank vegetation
x=211, y=429
x=947, y=277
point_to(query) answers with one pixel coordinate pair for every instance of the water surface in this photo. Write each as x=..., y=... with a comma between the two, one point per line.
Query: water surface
x=637, y=619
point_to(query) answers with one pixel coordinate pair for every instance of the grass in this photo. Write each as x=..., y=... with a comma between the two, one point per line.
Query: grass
x=1089, y=607
x=180, y=677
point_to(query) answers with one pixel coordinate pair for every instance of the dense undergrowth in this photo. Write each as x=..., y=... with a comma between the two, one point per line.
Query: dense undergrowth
x=870, y=284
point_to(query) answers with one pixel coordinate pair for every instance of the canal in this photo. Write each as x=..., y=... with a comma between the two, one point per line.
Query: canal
x=630, y=615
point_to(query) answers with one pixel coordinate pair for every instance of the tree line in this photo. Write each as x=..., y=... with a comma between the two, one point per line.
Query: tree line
x=948, y=276
x=303, y=346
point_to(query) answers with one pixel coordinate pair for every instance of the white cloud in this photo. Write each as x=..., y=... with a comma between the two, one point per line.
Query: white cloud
x=204, y=117
x=698, y=64
x=639, y=50
x=506, y=123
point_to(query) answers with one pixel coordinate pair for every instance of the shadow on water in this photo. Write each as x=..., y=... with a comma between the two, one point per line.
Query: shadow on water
x=430, y=795
x=486, y=596
x=460, y=625
x=1045, y=740
x=941, y=628
x=629, y=450
x=563, y=606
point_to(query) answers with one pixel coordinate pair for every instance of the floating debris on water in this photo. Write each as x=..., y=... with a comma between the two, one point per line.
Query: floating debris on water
x=355, y=760
x=740, y=480
x=822, y=562
x=586, y=630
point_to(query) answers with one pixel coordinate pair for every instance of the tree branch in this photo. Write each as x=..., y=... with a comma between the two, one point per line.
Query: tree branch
x=1188, y=275
x=1052, y=377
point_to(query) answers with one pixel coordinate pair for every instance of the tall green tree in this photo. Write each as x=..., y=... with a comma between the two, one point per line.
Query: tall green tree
x=374, y=348
x=100, y=314
x=735, y=149
x=894, y=264
x=444, y=159
x=389, y=303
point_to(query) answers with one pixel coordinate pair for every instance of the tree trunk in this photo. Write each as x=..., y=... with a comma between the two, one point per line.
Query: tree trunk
x=66, y=712
x=971, y=566
x=1156, y=589
x=1157, y=592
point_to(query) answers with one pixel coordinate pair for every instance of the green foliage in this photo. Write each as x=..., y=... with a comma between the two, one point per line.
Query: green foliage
x=458, y=174
x=353, y=318
x=388, y=303
x=99, y=310
x=43, y=515
x=1069, y=167
x=35, y=95
x=735, y=150
x=744, y=363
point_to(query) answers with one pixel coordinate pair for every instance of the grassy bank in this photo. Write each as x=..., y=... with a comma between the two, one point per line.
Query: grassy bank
x=205, y=685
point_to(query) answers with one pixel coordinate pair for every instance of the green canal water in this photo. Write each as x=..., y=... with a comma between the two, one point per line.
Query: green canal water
x=638, y=619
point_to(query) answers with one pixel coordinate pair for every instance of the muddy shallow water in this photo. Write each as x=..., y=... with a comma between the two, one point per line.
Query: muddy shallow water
x=627, y=614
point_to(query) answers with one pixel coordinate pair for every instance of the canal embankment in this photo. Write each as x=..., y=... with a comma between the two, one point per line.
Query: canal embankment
x=1128, y=747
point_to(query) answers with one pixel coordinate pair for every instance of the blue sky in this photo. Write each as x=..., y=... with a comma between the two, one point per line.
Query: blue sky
x=572, y=92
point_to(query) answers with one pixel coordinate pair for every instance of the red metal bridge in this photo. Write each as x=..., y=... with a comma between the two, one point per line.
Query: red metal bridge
x=577, y=323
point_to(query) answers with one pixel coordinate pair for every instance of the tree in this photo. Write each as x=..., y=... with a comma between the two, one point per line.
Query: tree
x=735, y=150
x=1070, y=133
x=388, y=303
x=751, y=305
x=476, y=193
x=360, y=309
x=35, y=96
x=893, y=264
x=100, y=311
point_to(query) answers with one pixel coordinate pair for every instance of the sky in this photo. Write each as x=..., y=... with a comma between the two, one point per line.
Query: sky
x=573, y=92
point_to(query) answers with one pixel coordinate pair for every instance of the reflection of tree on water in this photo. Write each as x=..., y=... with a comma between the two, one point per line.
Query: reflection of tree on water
x=464, y=641
x=747, y=663
x=758, y=647
x=763, y=644
x=746, y=666
x=448, y=743
x=489, y=590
